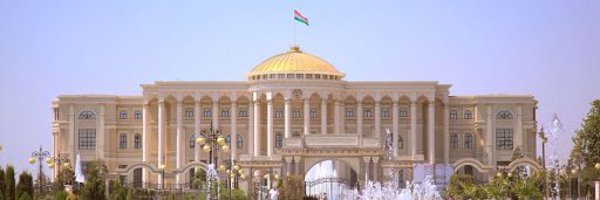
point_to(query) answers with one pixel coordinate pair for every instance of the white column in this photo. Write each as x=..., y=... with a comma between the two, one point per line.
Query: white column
x=233, y=133
x=145, y=149
x=306, y=116
x=446, y=118
x=161, y=132
x=337, y=117
x=431, y=132
x=395, y=129
x=519, y=132
x=377, y=119
x=342, y=116
x=287, y=118
x=72, y=135
x=323, y=116
x=256, y=125
x=250, y=146
x=413, y=129
x=179, y=137
x=491, y=142
x=359, y=113
x=100, y=134
x=375, y=168
x=269, y=127
x=197, y=129
x=215, y=114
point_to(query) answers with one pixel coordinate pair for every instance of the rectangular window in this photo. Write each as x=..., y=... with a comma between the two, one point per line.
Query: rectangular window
x=349, y=112
x=87, y=139
x=367, y=113
x=468, y=141
x=385, y=112
x=453, y=114
x=278, y=113
x=123, y=114
x=402, y=113
x=208, y=112
x=189, y=113
x=243, y=113
x=468, y=114
x=296, y=114
x=137, y=114
x=454, y=141
x=313, y=113
x=504, y=139
x=137, y=141
x=278, y=140
x=224, y=112
x=123, y=141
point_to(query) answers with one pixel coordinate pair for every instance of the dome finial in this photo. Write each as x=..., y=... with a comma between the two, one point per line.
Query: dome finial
x=295, y=48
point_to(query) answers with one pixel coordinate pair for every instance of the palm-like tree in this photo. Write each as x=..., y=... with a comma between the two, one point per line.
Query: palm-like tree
x=528, y=188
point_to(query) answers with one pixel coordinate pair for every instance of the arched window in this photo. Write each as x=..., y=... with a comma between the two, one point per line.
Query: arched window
x=123, y=141
x=468, y=114
x=87, y=115
x=192, y=142
x=137, y=141
x=453, y=114
x=240, y=142
x=453, y=141
x=504, y=115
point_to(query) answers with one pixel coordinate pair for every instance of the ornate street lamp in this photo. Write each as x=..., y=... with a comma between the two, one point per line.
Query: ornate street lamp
x=211, y=140
x=40, y=155
x=232, y=172
x=162, y=178
x=544, y=138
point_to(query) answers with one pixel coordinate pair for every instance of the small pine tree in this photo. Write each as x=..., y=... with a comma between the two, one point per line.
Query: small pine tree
x=10, y=183
x=25, y=185
x=2, y=184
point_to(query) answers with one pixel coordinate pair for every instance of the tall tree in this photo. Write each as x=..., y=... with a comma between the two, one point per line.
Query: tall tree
x=93, y=188
x=10, y=183
x=25, y=185
x=586, y=142
x=2, y=184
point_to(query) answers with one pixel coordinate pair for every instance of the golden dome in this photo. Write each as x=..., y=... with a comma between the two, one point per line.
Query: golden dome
x=295, y=61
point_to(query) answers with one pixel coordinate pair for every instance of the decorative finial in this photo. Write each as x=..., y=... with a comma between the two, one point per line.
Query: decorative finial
x=295, y=48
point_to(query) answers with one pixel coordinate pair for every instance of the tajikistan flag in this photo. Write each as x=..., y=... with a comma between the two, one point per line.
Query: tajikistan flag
x=300, y=18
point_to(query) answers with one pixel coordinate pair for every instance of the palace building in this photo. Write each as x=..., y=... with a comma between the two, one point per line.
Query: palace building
x=294, y=111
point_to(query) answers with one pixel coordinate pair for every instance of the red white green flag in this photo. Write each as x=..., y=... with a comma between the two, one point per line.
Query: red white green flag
x=298, y=17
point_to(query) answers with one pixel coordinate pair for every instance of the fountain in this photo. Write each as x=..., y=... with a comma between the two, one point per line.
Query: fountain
x=555, y=132
x=211, y=174
x=391, y=190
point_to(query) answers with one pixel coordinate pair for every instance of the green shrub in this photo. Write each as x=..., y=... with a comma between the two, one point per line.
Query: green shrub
x=61, y=195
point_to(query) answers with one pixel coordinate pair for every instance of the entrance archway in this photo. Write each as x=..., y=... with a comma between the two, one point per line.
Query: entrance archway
x=330, y=177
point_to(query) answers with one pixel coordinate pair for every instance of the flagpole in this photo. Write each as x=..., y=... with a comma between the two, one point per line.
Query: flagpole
x=294, y=33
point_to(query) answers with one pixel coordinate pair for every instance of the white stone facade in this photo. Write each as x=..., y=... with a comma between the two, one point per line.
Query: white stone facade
x=287, y=125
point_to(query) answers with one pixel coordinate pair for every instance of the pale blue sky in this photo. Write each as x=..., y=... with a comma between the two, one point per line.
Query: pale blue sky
x=547, y=48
